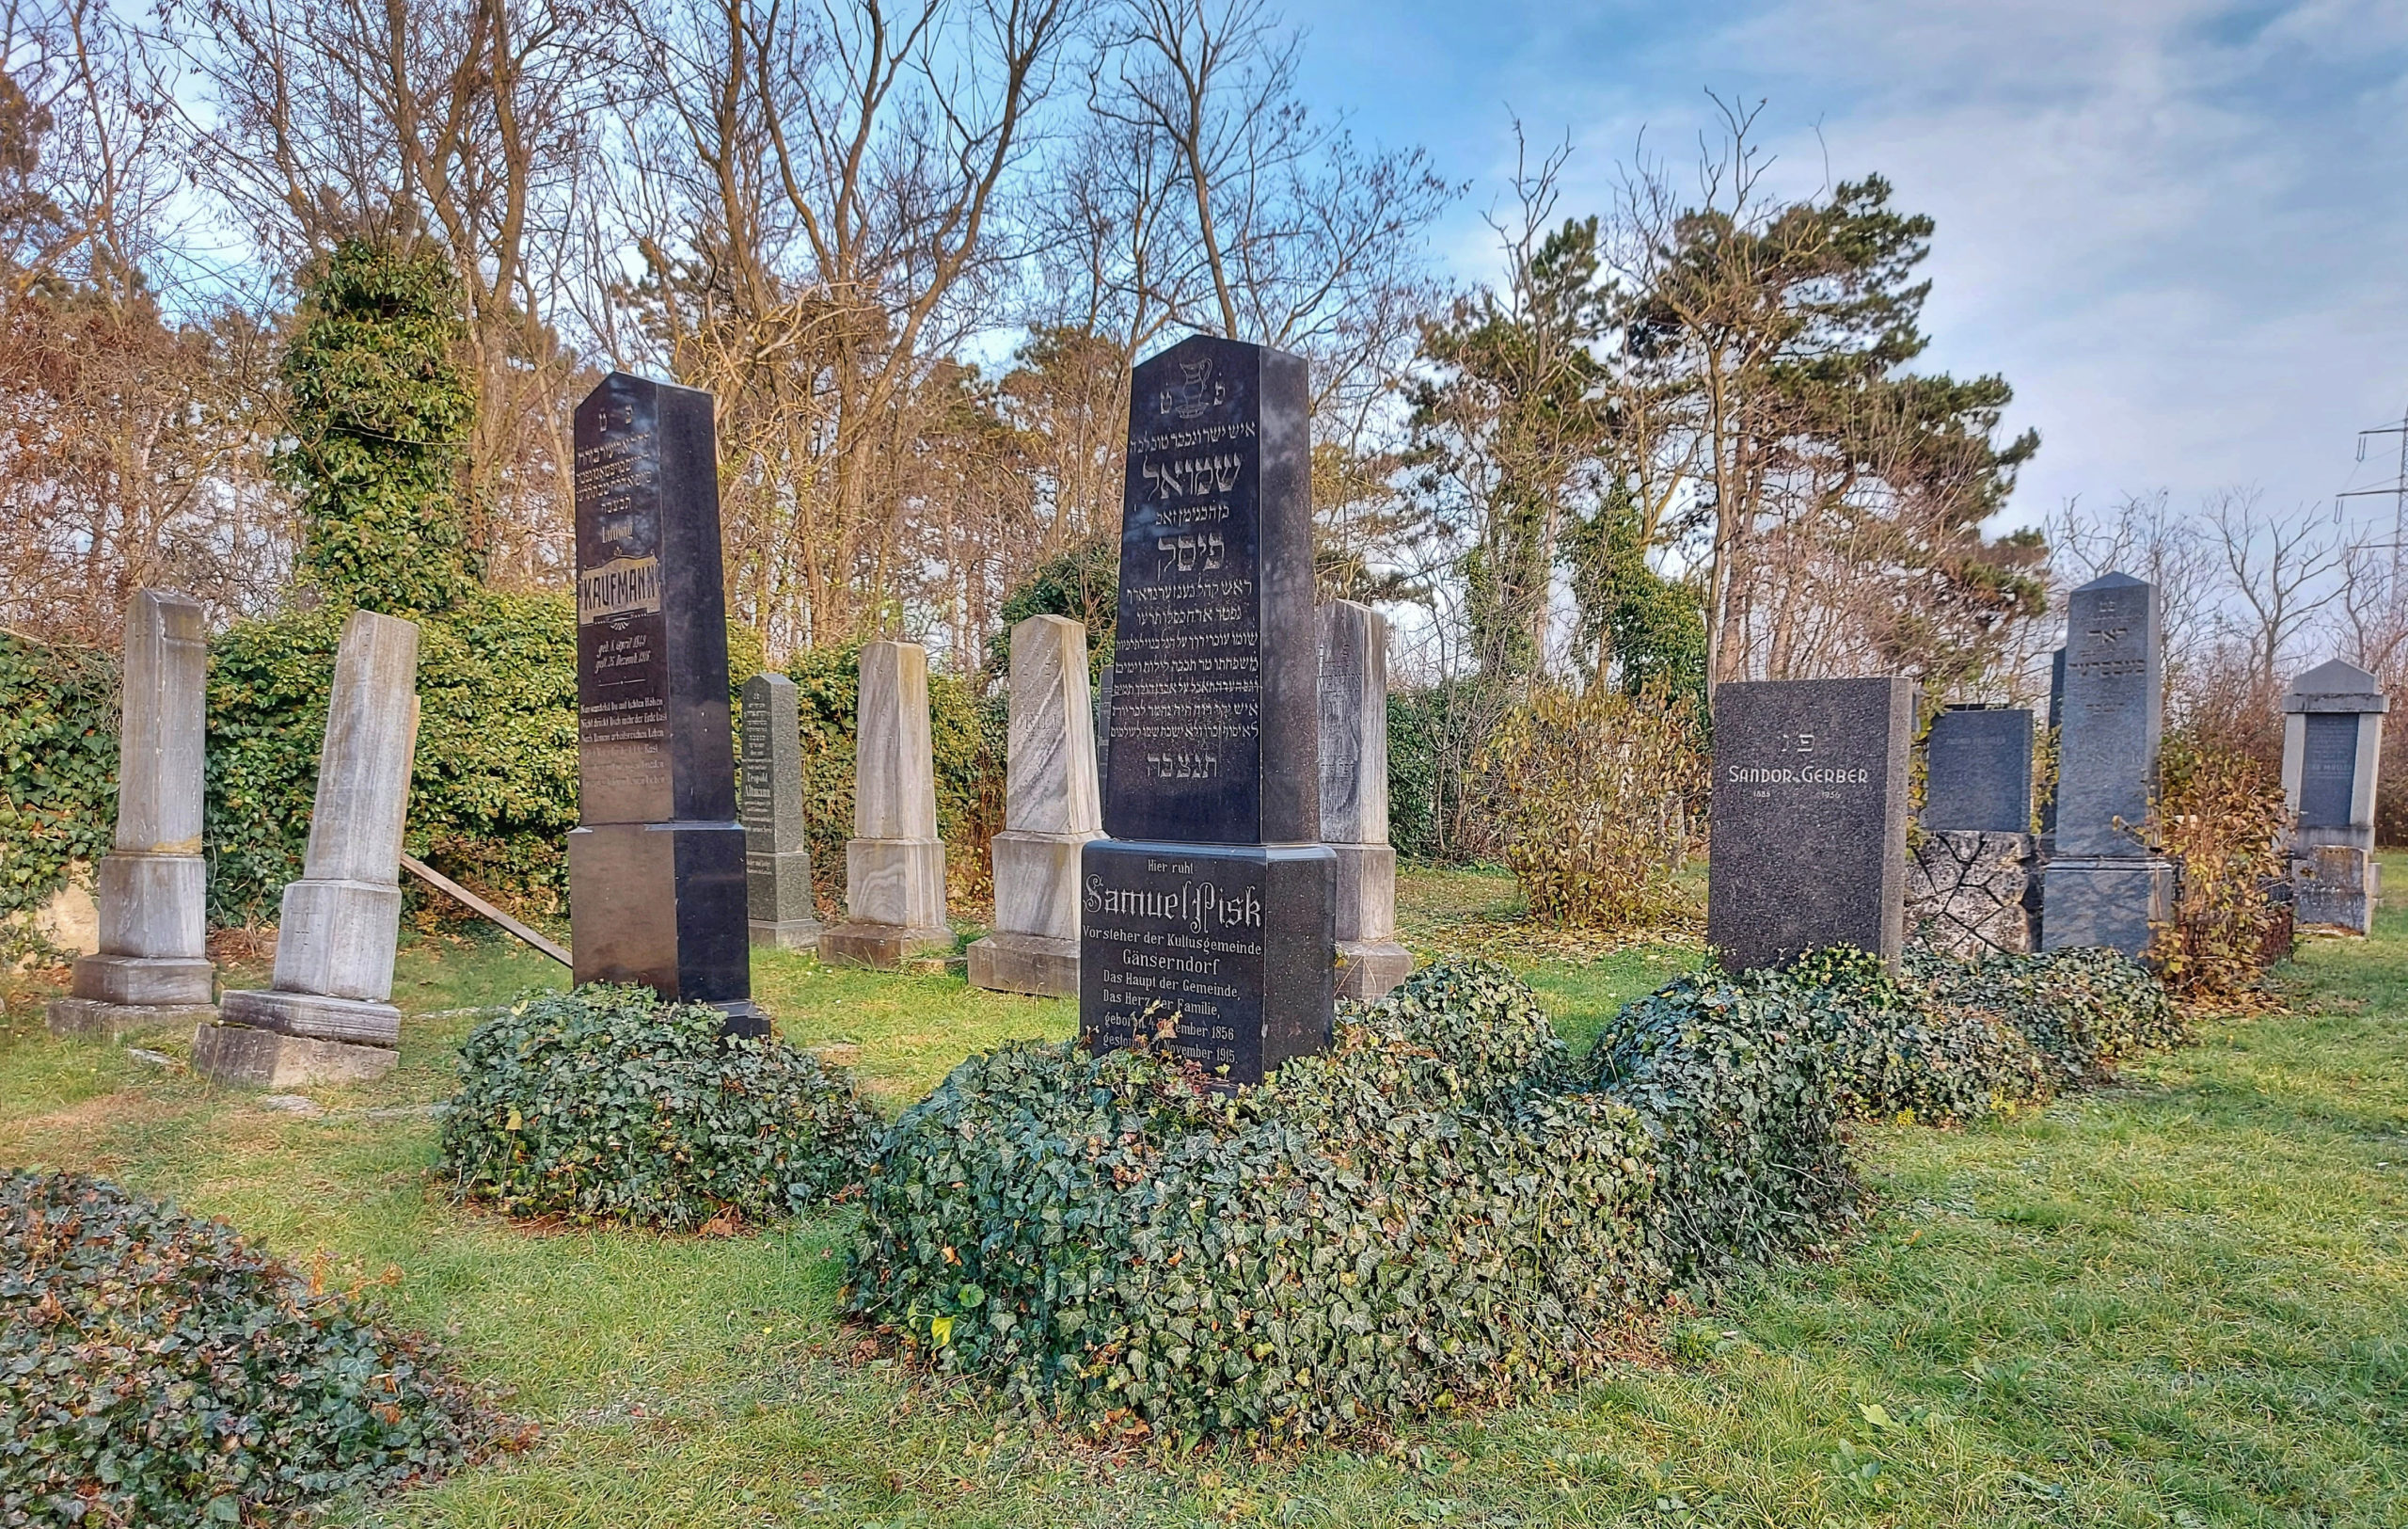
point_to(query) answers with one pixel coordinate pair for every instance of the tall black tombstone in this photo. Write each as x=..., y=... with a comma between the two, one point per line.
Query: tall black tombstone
x=655, y=865
x=1211, y=899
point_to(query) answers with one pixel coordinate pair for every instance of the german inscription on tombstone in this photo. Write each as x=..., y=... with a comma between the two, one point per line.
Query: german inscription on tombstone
x=1207, y=919
x=1808, y=843
x=657, y=867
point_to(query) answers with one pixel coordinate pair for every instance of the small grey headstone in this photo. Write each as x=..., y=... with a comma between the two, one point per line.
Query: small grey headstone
x=1809, y=818
x=1977, y=772
x=2331, y=753
x=777, y=863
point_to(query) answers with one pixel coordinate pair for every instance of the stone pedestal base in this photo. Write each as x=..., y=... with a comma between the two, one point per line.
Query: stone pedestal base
x=89, y=1019
x=2103, y=900
x=1371, y=969
x=665, y=906
x=778, y=906
x=895, y=881
x=238, y=1053
x=336, y=937
x=1223, y=954
x=144, y=981
x=2336, y=885
x=1009, y=962
x=1366, y=892
x=794, y=935
x=314, y=1016
x=152, y=904
x=1966, y=891
x=1037, y=883
x=885, y=946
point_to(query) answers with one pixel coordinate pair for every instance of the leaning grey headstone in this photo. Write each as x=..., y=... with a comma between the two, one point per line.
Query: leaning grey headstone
x=2332, y=749
x=152, y=967
x=2104, y=886
x=895, y=863
x=1355, y=797
x=1808, y=847
x=1052, y=808
x=777, y=863
x=1968, y=878
x=329, y=1017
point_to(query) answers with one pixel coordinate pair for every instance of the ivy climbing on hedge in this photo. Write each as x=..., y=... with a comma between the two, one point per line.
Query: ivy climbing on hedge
x=57, y=768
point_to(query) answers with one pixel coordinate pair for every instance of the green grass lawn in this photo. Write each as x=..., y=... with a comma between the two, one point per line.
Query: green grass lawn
x=2181, y=1301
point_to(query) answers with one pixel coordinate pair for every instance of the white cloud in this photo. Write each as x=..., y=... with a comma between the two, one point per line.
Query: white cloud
x=2178, y=227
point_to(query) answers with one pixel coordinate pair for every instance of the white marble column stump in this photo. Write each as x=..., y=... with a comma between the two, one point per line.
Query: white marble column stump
x=329, y=1018
x=895, y=863
x=1050, y=810
x=153, y=968
x=1355, y=797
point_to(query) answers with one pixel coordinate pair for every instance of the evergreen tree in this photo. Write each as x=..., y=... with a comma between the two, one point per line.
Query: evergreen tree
x=381, y=413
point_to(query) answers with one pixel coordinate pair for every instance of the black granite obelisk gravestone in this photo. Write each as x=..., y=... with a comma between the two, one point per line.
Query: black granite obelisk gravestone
x=1211, y=900
x=656, y=866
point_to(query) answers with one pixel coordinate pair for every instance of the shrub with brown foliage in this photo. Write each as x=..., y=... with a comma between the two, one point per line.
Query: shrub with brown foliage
x=2221, y=815
x=1594, y=793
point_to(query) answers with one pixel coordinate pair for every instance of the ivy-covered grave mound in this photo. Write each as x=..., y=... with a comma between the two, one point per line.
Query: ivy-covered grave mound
x=606, y=1105
x=1446, y=1208
x=154, y=1369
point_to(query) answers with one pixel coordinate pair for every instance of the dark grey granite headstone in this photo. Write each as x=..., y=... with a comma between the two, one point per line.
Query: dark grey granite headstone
x=777, y=864
x=1978, y=771
x=1809, y=818
x=2332, y=751
x=1212, y=898
x=2103, y=887
x=657, y=884
x=2113, y=716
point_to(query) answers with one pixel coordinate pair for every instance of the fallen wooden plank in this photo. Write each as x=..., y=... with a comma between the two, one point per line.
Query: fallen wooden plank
x=450, y=888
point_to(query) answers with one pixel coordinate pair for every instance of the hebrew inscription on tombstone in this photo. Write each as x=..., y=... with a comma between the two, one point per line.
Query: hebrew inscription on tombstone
x=2104, y=886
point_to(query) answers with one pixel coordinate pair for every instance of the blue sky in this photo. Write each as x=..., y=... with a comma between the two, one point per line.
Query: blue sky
x=2178, y=227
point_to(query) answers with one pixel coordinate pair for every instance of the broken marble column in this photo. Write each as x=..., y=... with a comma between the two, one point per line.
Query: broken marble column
x=895, y=863
x=777, y=864
x=151, y=969
x=1353, y=705
x=2332, y=747
x=329, y=1018
x=1052, y=808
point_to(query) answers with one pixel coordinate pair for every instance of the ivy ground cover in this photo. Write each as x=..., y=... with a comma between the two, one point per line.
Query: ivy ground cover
x=2181, y=1300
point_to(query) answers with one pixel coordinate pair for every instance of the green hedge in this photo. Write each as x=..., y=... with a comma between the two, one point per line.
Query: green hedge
x=606, y=1105
x=57, y=768
x=154, y=1369
x=493, y=791
x=1444, y=1207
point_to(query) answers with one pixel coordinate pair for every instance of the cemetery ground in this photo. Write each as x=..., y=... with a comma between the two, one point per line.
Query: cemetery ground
x=2182, y=1300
